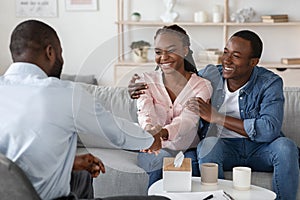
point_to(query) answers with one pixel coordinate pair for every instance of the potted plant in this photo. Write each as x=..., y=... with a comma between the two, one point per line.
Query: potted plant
x=135, y=16
x=140, y=50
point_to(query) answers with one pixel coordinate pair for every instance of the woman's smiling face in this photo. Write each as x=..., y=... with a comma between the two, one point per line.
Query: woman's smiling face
x=170, y=52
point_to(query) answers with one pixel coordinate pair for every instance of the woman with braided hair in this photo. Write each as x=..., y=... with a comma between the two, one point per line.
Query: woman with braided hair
x=161, y=107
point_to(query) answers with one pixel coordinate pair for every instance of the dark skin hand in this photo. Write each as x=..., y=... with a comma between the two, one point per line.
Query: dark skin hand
x=211, y=115
x=136, y=89
x=159, y=134
x=90, y=163
x=156, y=146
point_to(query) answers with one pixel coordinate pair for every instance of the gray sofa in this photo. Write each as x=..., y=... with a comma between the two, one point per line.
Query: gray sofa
x=124, y=177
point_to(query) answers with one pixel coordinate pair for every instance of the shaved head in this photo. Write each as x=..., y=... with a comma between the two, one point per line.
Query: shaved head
x=36, y=42
x=31, y=36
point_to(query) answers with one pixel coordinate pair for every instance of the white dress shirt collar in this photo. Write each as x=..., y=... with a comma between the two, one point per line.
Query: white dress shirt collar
x=25, y=69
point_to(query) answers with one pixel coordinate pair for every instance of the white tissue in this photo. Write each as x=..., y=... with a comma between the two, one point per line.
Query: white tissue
x=178, y=159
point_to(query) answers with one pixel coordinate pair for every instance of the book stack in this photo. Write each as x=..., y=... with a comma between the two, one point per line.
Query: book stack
x=275, y=18
x=212, y=56
x=290, y=61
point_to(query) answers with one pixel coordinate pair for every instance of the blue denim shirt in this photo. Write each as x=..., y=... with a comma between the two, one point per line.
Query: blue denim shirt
x=261, y=103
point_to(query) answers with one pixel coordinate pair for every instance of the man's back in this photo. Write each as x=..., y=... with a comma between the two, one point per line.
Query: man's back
x=42, y=118
x=37, y=129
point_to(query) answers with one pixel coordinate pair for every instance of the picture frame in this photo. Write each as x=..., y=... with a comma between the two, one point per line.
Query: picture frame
x=81, y=5
x=36, y=8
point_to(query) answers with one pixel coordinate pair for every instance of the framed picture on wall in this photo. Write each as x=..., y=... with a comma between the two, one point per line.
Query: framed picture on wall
x=36, y=8
x=81, y=5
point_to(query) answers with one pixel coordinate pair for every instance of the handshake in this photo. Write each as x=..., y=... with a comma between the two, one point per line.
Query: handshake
x=160, y=134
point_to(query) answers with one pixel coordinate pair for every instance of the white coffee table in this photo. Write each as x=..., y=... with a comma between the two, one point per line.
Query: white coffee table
x=255, y=192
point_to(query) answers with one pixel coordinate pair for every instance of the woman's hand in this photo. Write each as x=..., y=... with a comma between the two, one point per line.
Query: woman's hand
x=153, y=129
x=136, y=89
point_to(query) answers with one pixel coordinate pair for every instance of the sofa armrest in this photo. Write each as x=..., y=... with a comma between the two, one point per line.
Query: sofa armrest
x=89, y=79
x=291, y=121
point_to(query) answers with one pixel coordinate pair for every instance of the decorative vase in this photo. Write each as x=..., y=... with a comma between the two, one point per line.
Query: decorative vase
x=136, y=17
x=169, y=15
x=217, y=14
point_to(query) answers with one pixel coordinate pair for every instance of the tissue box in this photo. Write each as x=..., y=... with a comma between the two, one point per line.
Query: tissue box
x=177, y=179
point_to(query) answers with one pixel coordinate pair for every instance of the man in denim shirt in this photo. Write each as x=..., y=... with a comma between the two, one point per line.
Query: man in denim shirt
x=242, y=124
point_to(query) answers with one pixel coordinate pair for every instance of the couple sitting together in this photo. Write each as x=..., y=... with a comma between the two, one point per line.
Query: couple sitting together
x=240, y=106
x=230, y=114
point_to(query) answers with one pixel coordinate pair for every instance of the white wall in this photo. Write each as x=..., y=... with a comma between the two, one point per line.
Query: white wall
x=89, y=39
x=80, y=32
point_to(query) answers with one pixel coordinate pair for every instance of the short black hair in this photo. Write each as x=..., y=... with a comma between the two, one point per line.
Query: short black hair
x=31, y=35
x=255, y=41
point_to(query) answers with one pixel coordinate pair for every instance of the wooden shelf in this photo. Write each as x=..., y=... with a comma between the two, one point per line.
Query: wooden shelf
x=191, y=23
x=124, y=68
x=150, y=63
x=278, y=65
x=294, y=23
x=159, y=23
x=131, y=63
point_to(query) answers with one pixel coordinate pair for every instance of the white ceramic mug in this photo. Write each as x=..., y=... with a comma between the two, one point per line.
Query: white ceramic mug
x=241, y=178
x=200, y=16
x=217, y=17
x=209, y=173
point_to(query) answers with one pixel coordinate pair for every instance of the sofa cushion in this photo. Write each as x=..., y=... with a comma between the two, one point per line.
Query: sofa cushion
x=115, y=100
x=291, y=122
x=122, y=172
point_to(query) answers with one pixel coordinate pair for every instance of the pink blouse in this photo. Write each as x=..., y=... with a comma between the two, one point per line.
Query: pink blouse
x=156, y=108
